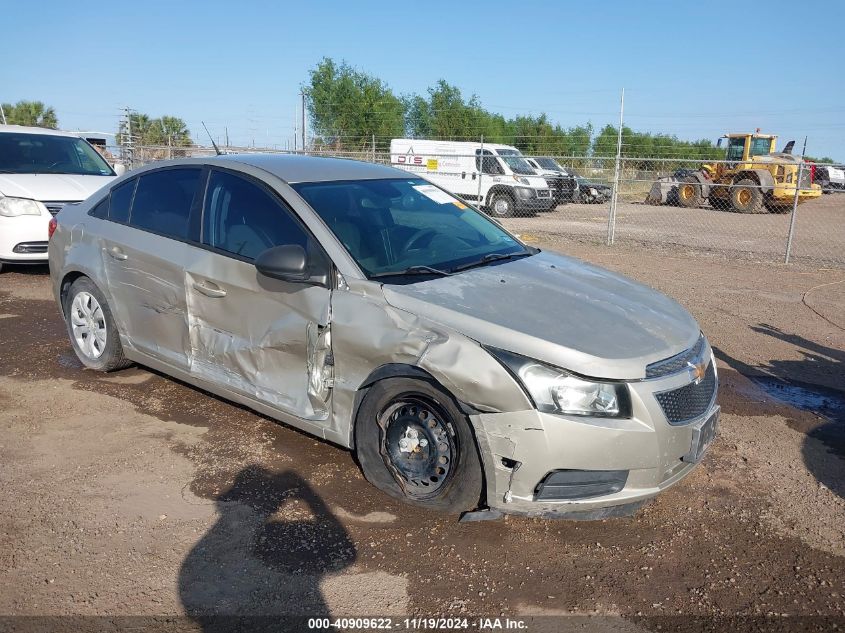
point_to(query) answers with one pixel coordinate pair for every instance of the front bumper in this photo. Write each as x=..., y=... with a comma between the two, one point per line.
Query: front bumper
x=520, y=450
x=523, y=205
x=21, y=231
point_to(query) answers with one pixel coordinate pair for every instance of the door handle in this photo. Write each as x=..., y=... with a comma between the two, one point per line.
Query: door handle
x=209, y=291
x=116, y=253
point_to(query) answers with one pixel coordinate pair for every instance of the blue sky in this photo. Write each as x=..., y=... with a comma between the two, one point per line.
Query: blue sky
x=691, y=69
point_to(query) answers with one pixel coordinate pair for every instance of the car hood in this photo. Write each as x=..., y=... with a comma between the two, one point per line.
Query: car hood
x=52, y=187
x=559, y=310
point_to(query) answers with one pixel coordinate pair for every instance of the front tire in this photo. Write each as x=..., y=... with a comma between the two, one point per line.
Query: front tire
x=415, y=444
x=502, y=206
x=91, y=327
x=689, y=193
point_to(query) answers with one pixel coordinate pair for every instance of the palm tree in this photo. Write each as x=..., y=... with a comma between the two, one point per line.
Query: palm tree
x=33, y=113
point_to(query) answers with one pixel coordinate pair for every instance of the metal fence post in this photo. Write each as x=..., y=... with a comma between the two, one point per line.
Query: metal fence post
x=611, y=215
x=794, y=212
x=480, y=166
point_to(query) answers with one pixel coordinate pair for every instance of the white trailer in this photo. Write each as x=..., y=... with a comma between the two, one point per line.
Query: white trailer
x=496, y=178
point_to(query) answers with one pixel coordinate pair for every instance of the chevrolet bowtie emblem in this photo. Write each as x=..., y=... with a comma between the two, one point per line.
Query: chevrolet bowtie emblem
x=696, y=370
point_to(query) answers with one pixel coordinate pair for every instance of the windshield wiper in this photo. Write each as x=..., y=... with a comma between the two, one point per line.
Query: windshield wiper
x=492, y=257
x=413, y=270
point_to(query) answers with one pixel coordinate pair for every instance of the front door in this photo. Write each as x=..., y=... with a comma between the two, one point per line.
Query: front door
x=261, y=337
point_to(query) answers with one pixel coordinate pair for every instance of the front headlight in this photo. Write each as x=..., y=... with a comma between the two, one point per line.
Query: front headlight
x=13, y=207
x=554, y=390
x=593, y=191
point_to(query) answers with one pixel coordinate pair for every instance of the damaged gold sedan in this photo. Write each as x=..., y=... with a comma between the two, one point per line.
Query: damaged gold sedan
x=371, y=308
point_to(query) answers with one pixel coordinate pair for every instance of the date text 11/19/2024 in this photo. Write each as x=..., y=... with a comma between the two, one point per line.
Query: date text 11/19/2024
x=418, y=624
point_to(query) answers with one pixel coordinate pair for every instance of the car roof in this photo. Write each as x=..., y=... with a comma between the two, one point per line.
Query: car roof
x=25, y=129
x=295, y=169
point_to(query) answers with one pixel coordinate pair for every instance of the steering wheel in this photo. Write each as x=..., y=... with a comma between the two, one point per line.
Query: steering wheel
x=416, y=237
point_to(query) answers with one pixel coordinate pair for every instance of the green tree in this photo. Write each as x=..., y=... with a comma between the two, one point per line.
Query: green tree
x=646, y=150
x=164, y=130
x=33, y=113
x=347, y=107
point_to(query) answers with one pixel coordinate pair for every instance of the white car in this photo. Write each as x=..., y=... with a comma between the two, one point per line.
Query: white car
x=40, y=172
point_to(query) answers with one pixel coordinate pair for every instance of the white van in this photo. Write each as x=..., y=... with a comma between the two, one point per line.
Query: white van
x=496, y=178
x=40, y=172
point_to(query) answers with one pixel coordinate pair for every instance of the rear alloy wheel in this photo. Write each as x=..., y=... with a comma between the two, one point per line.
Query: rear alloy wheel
x=502, y=205
x=415, y=444
x=689, y=193
x=91, y=327
x=746, y=197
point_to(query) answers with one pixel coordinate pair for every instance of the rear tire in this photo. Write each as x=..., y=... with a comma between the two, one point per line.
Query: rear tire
x=91, y=327
x=689, y=193
x=443, y=471
x=502, y=205
x=746, y=197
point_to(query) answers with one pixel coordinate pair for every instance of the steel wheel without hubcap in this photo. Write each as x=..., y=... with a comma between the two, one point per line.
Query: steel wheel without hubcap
x=417, y=445
x=88, y=324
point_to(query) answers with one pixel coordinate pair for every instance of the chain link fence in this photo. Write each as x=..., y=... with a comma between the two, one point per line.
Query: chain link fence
x=747, y=206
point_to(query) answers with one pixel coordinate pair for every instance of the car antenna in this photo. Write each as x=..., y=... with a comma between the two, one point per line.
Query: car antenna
x=213, y=144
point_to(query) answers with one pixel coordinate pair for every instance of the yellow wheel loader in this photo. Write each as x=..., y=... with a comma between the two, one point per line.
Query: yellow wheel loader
x=753, y=179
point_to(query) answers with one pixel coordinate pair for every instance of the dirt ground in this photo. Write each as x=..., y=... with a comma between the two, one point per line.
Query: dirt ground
x=133, y=494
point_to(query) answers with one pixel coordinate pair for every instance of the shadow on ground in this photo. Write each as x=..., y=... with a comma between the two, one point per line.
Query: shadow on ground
x=781, y=380
x=272, y=544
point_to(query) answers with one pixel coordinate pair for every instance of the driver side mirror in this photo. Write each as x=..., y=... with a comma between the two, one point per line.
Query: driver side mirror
x=119, y=169
x=291, y=263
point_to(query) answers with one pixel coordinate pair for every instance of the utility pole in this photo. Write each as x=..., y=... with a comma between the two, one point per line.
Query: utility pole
x=3, y=114
x=304, y=137
x=128, y=145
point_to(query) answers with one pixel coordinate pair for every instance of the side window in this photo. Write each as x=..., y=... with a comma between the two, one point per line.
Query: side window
x=101, y=209
x=243, y=219
x=163, y=201
x=736, y=146
x=121, y=199
x=487, y=163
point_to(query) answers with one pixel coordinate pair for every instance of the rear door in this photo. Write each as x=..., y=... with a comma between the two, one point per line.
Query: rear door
x=146, y=249
x=265, y=338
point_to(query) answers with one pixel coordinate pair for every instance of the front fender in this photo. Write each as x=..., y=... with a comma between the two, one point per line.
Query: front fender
x=372, y=340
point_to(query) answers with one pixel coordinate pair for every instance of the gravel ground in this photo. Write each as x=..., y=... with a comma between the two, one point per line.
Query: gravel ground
x=132, y=493
x=819, y=235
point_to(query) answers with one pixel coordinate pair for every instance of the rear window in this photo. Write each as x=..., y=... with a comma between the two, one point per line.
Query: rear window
x=163, y=200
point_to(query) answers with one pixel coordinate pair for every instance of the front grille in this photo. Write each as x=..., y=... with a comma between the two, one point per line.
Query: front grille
x=554, y=182
x=30, y=247
x=55, y=207
x=686, y=403
x=674, y=364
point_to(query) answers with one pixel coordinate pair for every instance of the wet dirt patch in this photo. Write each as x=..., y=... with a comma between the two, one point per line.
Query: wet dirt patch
x=826, y=403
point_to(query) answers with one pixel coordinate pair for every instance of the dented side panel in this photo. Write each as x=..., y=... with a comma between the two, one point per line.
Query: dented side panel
x=264, y=338
x=146, y=282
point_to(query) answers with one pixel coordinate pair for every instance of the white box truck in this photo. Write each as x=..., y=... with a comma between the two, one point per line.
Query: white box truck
x=496, y=178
